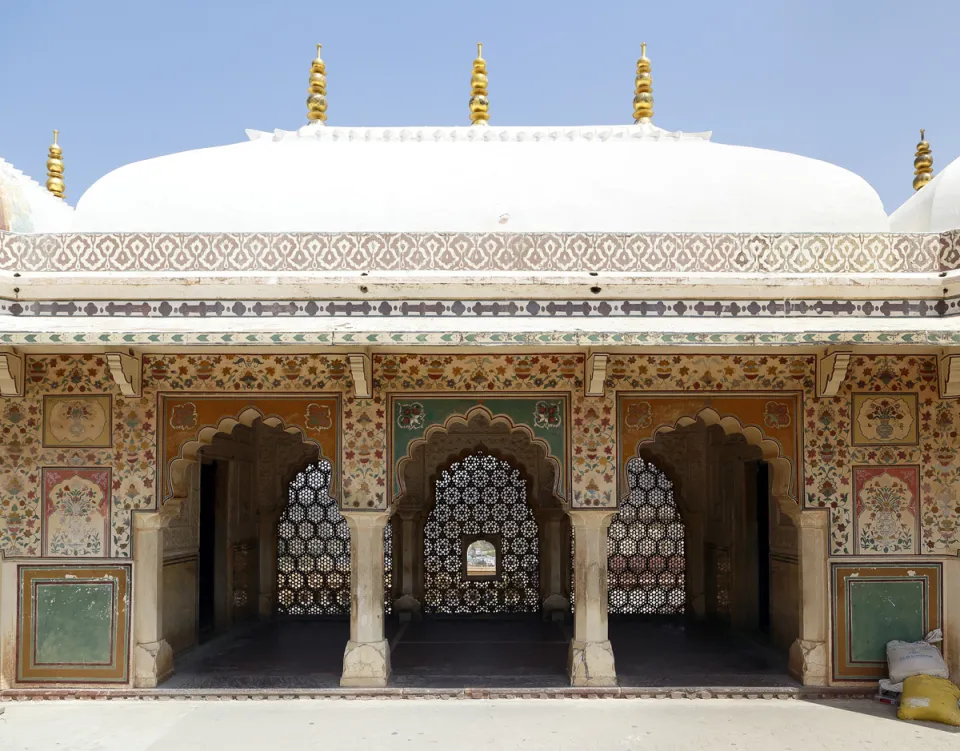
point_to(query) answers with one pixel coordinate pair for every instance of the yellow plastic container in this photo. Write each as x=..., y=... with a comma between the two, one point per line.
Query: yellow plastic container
x=930, y=699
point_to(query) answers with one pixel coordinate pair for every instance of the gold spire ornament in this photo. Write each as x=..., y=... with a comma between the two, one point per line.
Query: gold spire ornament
x=643, y=92
x=479, y=103
x=922, y=163
x=55, y=168
x=317, y=98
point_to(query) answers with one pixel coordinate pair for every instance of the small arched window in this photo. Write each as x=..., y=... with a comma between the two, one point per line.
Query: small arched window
x=481, y=559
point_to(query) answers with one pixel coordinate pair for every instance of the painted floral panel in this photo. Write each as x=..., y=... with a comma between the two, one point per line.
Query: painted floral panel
x=77, y=421
x=76, y=512
x=881, y=419
x=887, y=504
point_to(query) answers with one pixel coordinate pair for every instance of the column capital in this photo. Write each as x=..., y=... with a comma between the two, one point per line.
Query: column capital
x=156, y=520
x=366, y=519
x=811, y=518
x=592, y=518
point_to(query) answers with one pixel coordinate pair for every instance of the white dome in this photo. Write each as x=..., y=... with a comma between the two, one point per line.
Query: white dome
x=488, y=179
x=933, y=208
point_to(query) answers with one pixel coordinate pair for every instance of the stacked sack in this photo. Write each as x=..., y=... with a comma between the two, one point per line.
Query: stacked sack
x=920, y=672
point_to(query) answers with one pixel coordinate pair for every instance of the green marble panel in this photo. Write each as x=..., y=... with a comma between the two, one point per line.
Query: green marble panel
x=74, y=623
x=881, y=611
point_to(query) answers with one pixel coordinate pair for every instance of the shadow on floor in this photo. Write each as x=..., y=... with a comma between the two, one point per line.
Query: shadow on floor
x=283, y=654
x=478, y=653
x=676, y=653
x=880, y=710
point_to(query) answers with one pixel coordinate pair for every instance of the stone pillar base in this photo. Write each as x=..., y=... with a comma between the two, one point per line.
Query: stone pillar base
x=152, y=664
x=808, y=662
x=591, y=664
x=555, y=608
x=407, y=608
x=366, y=664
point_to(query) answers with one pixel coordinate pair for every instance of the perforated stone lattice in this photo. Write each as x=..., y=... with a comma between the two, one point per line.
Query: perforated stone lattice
x=481, y=495
x=646, y=561
x=313, y=549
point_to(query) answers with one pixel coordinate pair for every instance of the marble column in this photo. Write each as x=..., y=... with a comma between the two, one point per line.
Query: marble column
x=152, y=656
x=591, y=660
x=366, y=659
x=809, y=656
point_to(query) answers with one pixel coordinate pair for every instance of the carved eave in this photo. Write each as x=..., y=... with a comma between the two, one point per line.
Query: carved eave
x=126, y=369
x=832, y=371
x=11, y=372
x=596, y=374
x=362, y=375
x=949, y=370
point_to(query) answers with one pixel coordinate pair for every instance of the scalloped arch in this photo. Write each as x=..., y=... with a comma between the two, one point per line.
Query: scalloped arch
x=783, y=467
x=180, y=467
x=492, y=421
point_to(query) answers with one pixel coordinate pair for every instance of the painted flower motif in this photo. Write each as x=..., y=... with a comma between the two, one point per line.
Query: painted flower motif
x=885, y=409
x=204, y=370
x=410, y=416
x=76, y=416
x=547, y=415
x=37, y=370
x=524, y=368
x=390, y=369
x=14, y=412
x=318, y=417
x=639, y=415
x=337, y=370
x=159, y=371
x=776, y=415
x=183, y=416
x=291, y=369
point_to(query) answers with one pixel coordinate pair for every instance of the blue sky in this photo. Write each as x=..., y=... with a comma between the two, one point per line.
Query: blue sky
x=847, y=81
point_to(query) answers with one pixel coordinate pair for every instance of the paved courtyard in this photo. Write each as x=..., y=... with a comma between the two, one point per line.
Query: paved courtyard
x=557, y=724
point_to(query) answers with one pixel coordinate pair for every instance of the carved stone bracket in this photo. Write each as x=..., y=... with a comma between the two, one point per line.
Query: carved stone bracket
x=11, y=372
x=948, y=365
x=596, y=374
x=126, y=369
x=362, y=375
x=832, y=371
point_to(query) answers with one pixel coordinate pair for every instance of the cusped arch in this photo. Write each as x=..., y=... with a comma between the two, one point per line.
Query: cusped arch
x=782, y=467
x=482, y=419
x=180, y=467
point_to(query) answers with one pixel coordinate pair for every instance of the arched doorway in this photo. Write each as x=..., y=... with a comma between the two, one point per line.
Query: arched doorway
x=702, y=564
x=483, y=557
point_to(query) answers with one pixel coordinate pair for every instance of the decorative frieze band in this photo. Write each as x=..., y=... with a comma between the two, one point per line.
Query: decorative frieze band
x=479, y=339
x=535, y=252
x=518, y=308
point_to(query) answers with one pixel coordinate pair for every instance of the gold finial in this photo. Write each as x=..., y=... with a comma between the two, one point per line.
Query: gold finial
x=643, y=92
x=55, y=168
x=317, y=98
x=479, y=104
x=922, y=163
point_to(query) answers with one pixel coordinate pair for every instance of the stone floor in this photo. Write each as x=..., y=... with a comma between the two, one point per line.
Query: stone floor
x=455, y=653
x=556, y=724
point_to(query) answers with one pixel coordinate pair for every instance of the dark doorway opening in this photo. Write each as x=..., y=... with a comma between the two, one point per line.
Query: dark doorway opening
x=763, y=547
x=207, y=555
